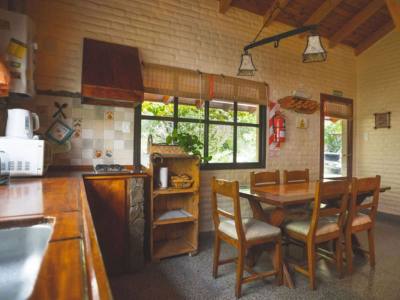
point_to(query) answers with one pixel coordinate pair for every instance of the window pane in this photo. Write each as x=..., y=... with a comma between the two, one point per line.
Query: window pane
x=159, y=131
x=196, y=129
x=248, y=113
x=220, y=143
x=158, y=108
x=221, y=111
x=188, y=108
x=247, y=144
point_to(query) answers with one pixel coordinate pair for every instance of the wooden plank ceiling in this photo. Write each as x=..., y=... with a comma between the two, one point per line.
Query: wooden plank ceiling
x=356, y=23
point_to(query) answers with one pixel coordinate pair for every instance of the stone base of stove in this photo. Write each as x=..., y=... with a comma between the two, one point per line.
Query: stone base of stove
x=136, y=223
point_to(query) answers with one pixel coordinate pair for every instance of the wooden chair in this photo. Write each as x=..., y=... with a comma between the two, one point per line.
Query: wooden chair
x=264, y=178
x=296, y=176
x=356, y=221
x=242, y=234
x=326, y=224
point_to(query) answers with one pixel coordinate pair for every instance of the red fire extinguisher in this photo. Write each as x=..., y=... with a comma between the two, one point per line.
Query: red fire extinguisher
x=279, y=128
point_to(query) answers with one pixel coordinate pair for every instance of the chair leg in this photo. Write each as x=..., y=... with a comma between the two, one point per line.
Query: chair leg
x=239, y=272
x=217, y=248
x=339, y=257
x=311, y=264
x=371, y=244
x=277, y=261
x=349, y=253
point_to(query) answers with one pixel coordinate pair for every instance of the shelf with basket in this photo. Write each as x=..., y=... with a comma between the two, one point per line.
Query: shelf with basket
x=174, y=209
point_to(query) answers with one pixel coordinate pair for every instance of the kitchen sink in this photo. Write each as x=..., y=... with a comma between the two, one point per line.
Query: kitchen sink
x=22, y=248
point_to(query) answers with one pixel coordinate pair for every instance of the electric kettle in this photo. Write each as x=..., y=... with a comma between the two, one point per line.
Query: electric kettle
x=21, y=123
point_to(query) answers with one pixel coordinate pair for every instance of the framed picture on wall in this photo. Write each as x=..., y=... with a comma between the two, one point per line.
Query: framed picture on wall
x=382, y=120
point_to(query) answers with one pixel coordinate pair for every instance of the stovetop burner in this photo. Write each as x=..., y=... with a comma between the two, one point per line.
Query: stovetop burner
x=104, y=168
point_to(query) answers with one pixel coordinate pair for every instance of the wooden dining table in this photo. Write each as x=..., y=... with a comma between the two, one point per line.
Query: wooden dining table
x=283, y=197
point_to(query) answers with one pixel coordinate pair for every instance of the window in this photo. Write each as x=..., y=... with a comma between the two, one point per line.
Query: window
x=233, y=133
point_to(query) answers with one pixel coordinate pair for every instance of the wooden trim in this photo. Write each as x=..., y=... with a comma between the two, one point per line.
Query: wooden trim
x=347, y=101
x=355, y=22
x=224, y=5
x=374, y=37
x=321, y=13
x=272, y=13
x=394, y=9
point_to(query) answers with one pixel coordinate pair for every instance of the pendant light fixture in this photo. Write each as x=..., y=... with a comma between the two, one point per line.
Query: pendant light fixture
x=314, y=51
x=246, y=67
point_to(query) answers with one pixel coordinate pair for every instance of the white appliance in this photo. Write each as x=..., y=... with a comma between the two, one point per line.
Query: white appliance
x=25, y=157
x=17, y=48
x=21, y=123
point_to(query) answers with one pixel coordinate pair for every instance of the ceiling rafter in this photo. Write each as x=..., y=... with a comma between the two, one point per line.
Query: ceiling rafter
x=321, y=13
x=355, y=22
x=224, y=5
x=374, y=37
x=394, y=9
x=272, y=12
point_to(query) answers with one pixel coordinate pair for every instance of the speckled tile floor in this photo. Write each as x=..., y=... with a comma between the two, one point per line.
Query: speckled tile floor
x=185, y=277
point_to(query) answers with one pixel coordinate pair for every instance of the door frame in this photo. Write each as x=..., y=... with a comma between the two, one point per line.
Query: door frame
x=331, y=98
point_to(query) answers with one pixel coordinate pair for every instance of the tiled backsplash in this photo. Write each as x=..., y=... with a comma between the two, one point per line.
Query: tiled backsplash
x=102, y=133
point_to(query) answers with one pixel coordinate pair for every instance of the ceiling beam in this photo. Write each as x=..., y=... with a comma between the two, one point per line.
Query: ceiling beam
x=351, y=25
x=374, y=37
x=273, y=12
x=321, y=13
x=224, y=5
x=394, y=9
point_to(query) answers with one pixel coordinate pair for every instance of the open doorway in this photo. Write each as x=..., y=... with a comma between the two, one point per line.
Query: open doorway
x=336, y=137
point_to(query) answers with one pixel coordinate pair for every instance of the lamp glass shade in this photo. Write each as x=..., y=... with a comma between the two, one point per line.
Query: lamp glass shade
x=246, y=67
x=314, y=51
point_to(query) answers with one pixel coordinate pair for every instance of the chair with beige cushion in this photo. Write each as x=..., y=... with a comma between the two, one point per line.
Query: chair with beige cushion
x=326, y=224
x=241, y=234
x=357, y=221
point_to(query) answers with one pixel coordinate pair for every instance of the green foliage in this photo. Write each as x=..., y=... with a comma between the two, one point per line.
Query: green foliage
x=333, y=136
x=190, y=143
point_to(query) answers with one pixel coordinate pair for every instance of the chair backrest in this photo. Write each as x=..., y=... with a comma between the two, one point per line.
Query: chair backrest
x=335, y=195
x=228, y=189
x=361, y=189
x=264, y=178
x=296, y=176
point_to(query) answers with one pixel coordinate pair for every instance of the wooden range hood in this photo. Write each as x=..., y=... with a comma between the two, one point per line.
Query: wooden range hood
x=111, y=74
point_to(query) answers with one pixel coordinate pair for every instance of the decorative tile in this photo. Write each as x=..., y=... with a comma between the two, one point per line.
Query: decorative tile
x=77, y=125
x=109, y=153
x=109, y=115
x=118, y=125
x=98, y=153
x=126, y=127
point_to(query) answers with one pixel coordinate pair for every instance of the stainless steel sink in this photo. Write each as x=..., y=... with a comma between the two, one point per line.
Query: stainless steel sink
x=22, y=248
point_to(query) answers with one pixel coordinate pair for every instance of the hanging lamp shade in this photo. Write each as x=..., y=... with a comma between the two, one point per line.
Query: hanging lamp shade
x=246, y=67
x=314, y=51
x=4, y=79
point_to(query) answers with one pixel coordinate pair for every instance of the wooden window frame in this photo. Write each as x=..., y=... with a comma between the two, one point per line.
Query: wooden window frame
x=331, y=98
x=261, y=126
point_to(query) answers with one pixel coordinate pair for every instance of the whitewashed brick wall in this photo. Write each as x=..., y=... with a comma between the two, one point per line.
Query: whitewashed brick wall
x=378, y=90
x=192, y=34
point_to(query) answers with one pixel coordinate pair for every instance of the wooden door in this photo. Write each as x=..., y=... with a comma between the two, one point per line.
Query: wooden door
x=108, y=204
x=336, y=139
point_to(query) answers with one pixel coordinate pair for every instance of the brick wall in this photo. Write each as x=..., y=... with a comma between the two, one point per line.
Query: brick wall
x=190, y=34
x=378, y=90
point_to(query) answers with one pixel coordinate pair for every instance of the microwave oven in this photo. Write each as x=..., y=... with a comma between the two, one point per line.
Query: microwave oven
x=26, y=157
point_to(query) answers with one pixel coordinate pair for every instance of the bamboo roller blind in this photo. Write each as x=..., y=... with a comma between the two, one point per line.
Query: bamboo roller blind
x=337, y=110
x=173, y=81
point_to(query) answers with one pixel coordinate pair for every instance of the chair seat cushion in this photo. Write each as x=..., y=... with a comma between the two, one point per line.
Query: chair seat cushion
x=325, y=225
x=252, y=228
x=361, y=219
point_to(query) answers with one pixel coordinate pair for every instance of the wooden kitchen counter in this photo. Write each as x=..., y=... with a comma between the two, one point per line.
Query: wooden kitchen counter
x=73, y=267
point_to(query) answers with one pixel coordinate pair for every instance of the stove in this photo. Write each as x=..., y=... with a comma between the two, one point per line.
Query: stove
x=111, y=168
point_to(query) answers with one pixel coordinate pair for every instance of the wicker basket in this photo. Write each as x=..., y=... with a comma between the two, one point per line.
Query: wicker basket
x=181, y=182
x=166, y=149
